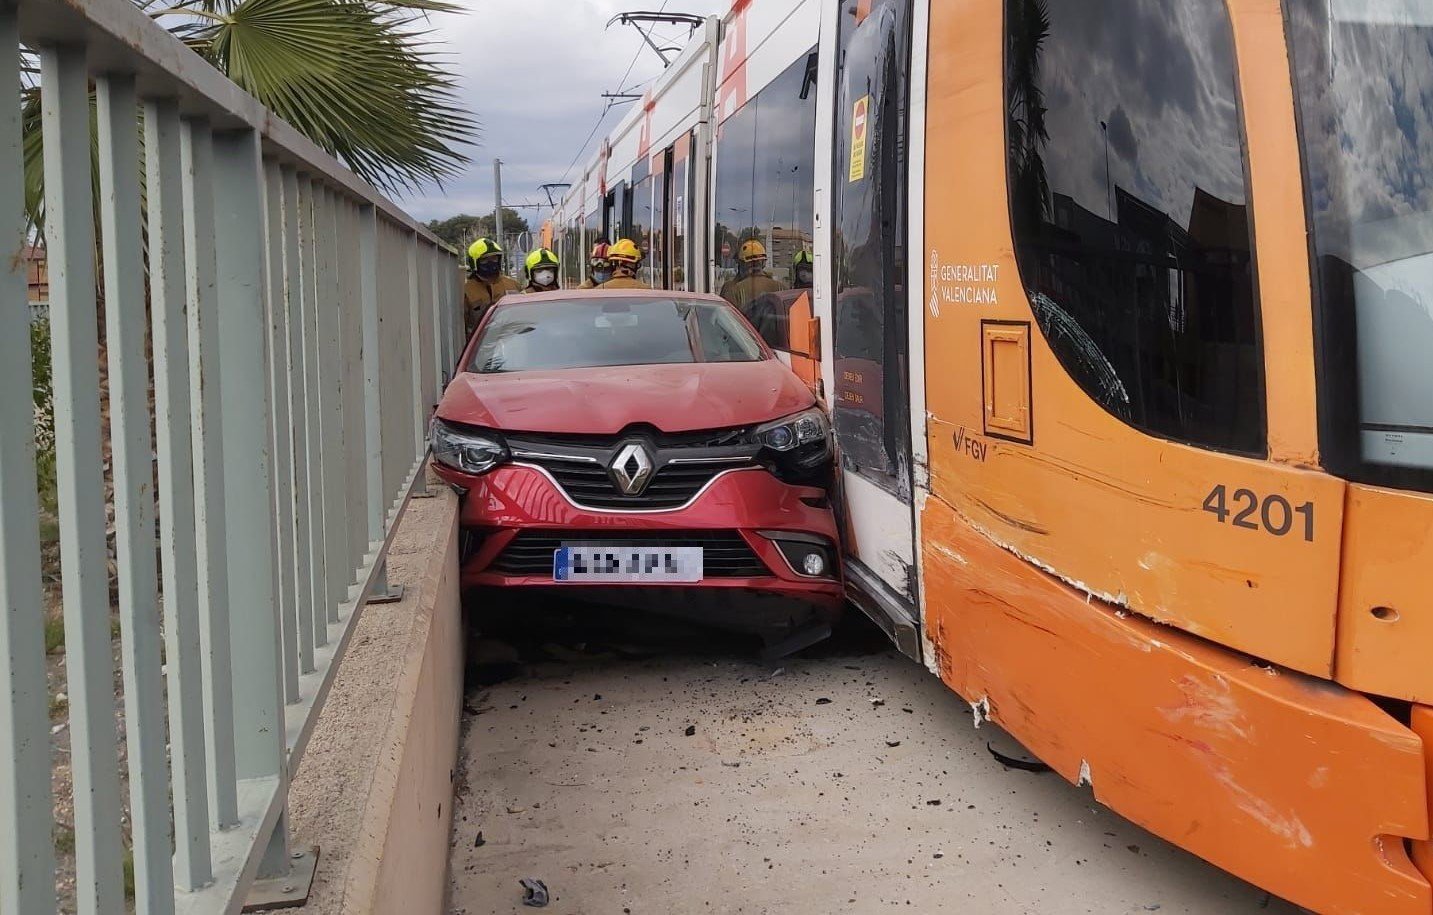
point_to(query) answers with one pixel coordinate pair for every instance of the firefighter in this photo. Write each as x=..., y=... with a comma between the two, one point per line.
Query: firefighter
x=753, y=281
x=802, y=270
x=599, y=268
x=486, y=281
x=541, y=270
x=625, y=256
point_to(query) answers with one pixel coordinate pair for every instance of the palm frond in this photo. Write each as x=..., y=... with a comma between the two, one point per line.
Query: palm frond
x=349, y=74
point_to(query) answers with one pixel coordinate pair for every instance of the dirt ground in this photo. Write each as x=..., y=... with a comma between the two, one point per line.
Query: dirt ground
x=677, y=774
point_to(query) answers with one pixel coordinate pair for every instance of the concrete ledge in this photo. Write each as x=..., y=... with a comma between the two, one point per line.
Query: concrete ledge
x=375, y=787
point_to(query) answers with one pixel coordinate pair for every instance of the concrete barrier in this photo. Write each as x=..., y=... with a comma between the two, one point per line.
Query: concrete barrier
x=375, y=787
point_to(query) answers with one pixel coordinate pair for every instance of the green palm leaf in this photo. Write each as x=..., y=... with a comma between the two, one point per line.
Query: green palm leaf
x=354, y=76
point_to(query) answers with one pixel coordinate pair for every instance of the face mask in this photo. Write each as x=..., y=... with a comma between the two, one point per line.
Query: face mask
x=601, y=276
x=489, y=268
x=544, y=277
x=803, y=277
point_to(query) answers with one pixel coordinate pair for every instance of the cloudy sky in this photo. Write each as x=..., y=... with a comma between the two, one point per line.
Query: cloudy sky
x=533, y=72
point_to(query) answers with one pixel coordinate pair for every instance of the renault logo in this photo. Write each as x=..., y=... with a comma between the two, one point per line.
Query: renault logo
x=631, y=469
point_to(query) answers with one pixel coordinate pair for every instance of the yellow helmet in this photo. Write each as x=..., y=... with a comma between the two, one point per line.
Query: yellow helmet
x=625, y=251
x=802, y=257
x=540, y=258
x=483, y=247
x=752, y=250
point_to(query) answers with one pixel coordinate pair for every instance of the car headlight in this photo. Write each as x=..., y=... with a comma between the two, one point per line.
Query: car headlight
x=803, y=439
x=465, y=450
x=805, y=428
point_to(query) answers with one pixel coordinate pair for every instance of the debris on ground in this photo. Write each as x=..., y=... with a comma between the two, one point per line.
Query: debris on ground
x=1014, y=762
x=479, y=842
x=823, y=701
x=669, y=824
x=534, y=893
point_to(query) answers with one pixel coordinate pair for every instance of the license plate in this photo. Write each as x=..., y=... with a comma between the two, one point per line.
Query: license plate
x=619, y=564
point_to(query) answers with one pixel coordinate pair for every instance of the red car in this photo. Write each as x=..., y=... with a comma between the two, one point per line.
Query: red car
x=643, y=448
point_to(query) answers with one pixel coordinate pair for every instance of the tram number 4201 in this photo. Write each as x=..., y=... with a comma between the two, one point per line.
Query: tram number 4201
x=1272, y=514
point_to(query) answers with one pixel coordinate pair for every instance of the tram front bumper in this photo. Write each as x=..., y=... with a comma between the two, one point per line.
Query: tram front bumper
x=1296, y=784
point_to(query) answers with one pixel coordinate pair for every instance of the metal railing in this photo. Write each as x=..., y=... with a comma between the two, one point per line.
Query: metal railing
x=300, y=326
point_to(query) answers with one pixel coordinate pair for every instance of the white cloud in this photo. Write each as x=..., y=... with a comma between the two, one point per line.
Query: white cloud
x=533, y=71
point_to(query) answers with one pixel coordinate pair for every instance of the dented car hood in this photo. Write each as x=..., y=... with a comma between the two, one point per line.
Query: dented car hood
x=604, y=401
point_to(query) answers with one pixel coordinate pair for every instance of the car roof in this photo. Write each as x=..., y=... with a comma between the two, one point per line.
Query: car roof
x=561, y=295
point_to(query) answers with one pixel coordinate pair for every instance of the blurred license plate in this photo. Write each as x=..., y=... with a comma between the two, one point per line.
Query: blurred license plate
x=618, y=564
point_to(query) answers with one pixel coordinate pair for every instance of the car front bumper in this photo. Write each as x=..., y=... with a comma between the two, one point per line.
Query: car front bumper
x=517, y=504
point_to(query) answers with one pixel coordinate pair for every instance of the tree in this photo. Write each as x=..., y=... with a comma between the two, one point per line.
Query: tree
x=456, y=230
x=459, y=231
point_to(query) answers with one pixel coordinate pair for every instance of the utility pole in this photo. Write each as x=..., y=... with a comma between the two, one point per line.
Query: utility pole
x=498, y=209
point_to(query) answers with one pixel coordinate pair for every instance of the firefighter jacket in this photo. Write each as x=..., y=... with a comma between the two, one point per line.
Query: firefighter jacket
x=624, y=282
x=480, y=294
x=743, y=290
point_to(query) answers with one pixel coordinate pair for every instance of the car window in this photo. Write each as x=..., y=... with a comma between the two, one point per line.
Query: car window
x=723, y=336
x=596, y=332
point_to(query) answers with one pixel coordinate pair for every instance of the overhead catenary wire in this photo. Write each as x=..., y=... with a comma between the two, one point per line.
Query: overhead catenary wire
x=607, y=109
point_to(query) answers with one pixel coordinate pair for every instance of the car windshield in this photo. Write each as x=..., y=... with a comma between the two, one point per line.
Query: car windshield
x=1364, y=70
x=594, y=332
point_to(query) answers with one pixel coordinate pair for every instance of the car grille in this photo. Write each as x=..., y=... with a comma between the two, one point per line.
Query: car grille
x=724, y=553
x=591, y=485
x=682, y=463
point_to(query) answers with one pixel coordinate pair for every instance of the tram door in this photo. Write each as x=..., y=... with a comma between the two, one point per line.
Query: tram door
x=869, y=375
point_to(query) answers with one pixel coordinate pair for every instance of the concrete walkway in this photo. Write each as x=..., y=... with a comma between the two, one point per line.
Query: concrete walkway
x=853, y=782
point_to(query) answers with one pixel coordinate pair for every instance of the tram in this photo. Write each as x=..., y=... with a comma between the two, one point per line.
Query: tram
x=1124, y=313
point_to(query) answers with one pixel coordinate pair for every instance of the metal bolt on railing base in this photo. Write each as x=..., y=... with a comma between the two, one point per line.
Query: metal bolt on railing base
x=286, y=891
x=383, y=592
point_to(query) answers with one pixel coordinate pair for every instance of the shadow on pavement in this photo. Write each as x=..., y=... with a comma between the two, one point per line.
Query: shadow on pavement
x=508, y=633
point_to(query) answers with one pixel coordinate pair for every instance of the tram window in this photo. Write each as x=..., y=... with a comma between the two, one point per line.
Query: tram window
x=617, y=212
x=784, y=166
x=765, y=173
x=591, y=235
x=678, y=210
x=657, y=255
x=572, y=253
x=1364, y=76
x=731, y=198
x=1129, y=206
x=870, y=338
x=640, y=218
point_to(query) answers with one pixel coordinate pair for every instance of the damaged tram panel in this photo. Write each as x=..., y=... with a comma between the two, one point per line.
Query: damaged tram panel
x=1161, y=545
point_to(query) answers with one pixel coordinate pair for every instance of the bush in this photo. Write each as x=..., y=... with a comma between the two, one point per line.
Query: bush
x=44, y=401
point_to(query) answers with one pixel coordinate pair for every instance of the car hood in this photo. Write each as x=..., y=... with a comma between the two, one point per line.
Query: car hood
x=604, y=401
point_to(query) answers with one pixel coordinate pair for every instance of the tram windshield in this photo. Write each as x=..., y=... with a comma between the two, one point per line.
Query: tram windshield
x=1364, y=70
